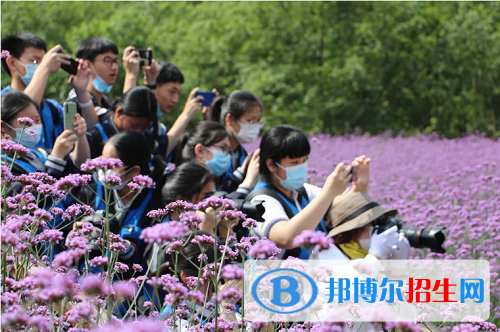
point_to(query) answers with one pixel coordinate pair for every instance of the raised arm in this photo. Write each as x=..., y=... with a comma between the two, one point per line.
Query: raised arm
x=284, y=232
x=51, y=63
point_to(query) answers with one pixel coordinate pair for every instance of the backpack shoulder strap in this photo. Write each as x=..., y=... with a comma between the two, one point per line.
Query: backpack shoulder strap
x=274, y=195
x=302, y=192
x=54, y=111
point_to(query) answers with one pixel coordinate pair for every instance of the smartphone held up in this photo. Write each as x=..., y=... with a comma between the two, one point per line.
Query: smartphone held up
x=70, y=111
x=72, y=68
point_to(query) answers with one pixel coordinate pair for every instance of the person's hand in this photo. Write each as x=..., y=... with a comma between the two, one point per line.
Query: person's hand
x=193, y=104
x=80, y=125
x=401, y=249
x=337, y=181
x=207, y=110
x=150, y=73
x=236, y=284
x=52, y=59
x=64, y=144
x=361, y=174
x=381, y=244
x=80, y=81
x=131, y=60
x=252, y=175
x=210, y=220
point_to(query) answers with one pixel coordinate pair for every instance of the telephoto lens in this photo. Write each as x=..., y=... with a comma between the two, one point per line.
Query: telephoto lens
x=431, y=238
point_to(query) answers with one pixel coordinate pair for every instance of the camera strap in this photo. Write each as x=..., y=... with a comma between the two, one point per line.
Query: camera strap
x=358, y=212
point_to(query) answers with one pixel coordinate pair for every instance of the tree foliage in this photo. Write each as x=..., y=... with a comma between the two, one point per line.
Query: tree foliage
x=323, y=66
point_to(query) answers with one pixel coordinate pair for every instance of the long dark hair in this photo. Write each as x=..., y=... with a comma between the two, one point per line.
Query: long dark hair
x=186, y=181
x=235, y=104
x=14, y=102
x=132, y=149
x=140, y=101
x=206, y=133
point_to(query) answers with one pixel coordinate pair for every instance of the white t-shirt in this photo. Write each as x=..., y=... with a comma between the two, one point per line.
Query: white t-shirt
x=275, y=211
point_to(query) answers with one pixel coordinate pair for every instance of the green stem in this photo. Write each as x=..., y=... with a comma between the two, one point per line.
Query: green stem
x=140, y=287
x=4, y=270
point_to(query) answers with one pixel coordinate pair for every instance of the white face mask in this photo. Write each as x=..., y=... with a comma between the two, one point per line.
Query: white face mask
x=249, y=132
x=365, y=243
x=102, y=175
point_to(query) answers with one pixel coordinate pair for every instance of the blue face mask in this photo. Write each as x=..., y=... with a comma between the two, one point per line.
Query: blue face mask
x=25, y=139
x=220, y=163
x=30, y=71
x=296, y=176
x=100, y=85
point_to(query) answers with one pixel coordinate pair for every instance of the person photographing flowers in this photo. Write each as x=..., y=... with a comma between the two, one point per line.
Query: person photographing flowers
x=354, y=217
x=292, y=205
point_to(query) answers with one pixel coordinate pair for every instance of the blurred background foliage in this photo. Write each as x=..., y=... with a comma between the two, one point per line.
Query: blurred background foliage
x=411, y=67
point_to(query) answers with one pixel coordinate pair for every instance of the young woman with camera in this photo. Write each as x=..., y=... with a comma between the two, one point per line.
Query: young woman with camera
x=291, y=204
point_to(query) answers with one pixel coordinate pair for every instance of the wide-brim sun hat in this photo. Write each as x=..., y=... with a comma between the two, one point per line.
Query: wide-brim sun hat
x=354, y=210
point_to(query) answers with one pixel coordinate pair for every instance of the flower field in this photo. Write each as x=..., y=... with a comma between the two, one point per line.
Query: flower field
x=432, y=182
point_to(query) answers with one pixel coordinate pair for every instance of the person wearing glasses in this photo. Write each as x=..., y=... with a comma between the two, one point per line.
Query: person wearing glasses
x=102, y=57
x=241, y=115
x=210, y=145
x=29, y=65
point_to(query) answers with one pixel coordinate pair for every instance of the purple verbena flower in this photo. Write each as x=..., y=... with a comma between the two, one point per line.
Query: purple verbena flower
x=313, y=239
x=216, y=203
x=144, y=181
x=50, y=235
x=101, y=163
x=25, y=122
x=9, y=147
x=165, y=232
x=264, y=249
x=232, y=272
x=72, y=181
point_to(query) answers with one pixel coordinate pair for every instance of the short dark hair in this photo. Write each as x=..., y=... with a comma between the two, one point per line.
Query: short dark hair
x=280, y=142
x=235, y=104
x=14, y=102
x=16, y=44
x=92, y=47
x=169, y=73
x=206, y=133
x=186, y=181
x=132, y=149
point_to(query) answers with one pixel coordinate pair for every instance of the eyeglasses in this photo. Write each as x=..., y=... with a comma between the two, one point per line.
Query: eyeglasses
x=109, y=61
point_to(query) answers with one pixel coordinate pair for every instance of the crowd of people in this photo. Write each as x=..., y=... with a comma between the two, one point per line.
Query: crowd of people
x=209, y=159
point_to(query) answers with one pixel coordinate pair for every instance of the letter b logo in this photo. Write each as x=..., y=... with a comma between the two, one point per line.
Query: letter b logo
x=292, y=298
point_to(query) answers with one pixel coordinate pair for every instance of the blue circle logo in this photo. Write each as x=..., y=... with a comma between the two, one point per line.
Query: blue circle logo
x=291, y=290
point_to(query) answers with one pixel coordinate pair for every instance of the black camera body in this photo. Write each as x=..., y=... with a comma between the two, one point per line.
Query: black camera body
x=253, y=210
x=95, y=249
x=432, y=238
x=145, y=57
